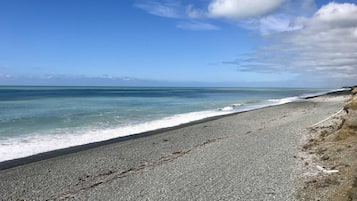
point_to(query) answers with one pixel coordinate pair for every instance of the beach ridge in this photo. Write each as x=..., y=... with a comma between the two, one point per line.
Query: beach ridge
x=330, y=156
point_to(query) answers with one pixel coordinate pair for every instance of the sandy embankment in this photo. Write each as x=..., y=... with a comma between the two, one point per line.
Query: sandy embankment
x=247, y=156
x=332, y=145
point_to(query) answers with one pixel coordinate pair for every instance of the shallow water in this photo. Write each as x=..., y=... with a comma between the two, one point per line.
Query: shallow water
x=40, y=119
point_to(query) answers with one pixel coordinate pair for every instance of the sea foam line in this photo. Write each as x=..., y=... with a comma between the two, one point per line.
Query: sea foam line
x=38, y=143
x=19, y=147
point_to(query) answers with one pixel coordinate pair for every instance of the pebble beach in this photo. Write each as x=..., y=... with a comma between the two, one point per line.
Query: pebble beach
x=245, y=156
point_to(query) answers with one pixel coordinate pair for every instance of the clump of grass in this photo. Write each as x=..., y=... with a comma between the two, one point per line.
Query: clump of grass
x=348, y=126
x=324, y=133
x=351, y=104
x=354, y=91
x=344, y=133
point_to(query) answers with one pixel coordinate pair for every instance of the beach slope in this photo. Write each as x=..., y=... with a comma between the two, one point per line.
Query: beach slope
x=330, y=155
x=247, y=156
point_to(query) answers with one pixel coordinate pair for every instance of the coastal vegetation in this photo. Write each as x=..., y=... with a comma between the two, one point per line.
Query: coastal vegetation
x=333, y=149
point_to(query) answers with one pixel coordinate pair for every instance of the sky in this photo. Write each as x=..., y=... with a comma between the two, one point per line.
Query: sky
x=238, y=43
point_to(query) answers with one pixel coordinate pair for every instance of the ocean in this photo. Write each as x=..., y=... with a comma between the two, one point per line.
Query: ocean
x=40, y=119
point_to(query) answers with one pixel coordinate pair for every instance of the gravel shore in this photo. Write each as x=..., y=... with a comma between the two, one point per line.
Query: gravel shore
x=246, y=156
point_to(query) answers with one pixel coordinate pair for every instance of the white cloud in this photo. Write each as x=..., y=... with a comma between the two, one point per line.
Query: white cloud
x=271, y=24
x=277, y=23
x=325, y=47
x=268, y=16
x=242, y=8
x=281, y=19
x=194, y=13
x=167, y=9
x=196, y=26
x=190, y=17
x=255, y=10
x=334, y=13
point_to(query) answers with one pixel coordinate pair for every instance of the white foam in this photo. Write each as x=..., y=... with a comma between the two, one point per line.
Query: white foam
x=63, y=138
x=26, y=146
x=230, y=108
x=283, y=100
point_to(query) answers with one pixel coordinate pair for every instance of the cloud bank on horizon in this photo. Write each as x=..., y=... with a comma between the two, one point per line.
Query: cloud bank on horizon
x=320, y=43
x=325, y=46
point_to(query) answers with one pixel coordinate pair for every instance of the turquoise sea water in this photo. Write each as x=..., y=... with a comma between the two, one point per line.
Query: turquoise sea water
x=40, y=119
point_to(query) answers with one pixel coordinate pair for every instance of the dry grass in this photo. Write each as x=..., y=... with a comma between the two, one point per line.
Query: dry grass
x=352, y=103
x=335, y=149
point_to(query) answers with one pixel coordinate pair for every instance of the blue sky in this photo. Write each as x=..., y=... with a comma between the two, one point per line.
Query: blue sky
x=292, y=43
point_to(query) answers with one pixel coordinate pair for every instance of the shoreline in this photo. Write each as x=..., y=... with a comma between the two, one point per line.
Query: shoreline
x=78, y=148
x=69, y=150
x=246, y=156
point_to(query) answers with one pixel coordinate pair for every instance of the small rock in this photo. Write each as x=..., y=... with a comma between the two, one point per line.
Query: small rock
x=325, y=157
